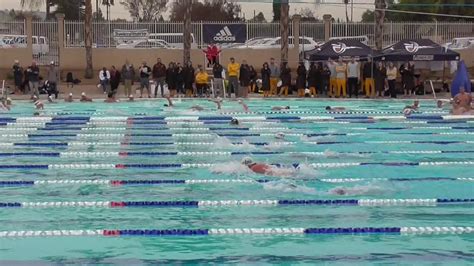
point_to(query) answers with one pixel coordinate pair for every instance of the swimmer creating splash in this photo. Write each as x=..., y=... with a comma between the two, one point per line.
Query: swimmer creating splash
x=258, y=168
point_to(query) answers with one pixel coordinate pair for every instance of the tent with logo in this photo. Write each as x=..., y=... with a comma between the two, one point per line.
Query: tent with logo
x=345, y=48
x=417, y=50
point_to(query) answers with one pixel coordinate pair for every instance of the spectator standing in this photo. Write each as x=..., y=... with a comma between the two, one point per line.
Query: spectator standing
x=188, y=75
x=314, y=78
x=285, y=76
x=301, y=79
x=171, y=77
x=380, y=79
x=115, y=77
x=218, y=80
x=145, y=72
x=266, y=76
x=353, y=74
x=407, y=71
x=391, y=79
x=159, y=75
x=179, y=79
x=341, y=75
x=33, y=79
x=333, y=78
x=17, y=76
x=201, y=81
x=53, y=79
x=128, y=76
x=244, y=78
x=368, y=79
x=233, y=73
x=104, y=78
x=275, y=76
x=325, y=79
x=253, y=80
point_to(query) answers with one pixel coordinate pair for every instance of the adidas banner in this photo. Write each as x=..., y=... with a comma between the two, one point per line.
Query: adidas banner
x=222, y=33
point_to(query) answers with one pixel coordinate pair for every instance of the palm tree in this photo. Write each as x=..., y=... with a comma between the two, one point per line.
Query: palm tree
x=35, y=4
x=88, y=39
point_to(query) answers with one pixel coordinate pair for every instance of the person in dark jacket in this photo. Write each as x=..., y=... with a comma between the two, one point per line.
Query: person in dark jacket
x=179, y=79
x=313, y=79
x=285, y=76
x=244, y=79
x=128, y=76
x=33, y=78
x=159, y=75
x=115, y=78
x=218, y=81
x=301, y=79
x=380, y=76
x=253, y=80
x=265, y=74
x=17, y=76
x=188, y=78
x=171, y=77
x=325, y=77
x=407, y=71
x=368, y=79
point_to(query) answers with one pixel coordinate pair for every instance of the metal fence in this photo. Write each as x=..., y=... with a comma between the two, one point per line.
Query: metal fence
x=16, y=27
x=45, y=42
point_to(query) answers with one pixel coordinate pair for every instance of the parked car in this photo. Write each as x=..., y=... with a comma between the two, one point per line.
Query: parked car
x=174, y=40
x=145, y=44
x=460, y=43
x=363, y=38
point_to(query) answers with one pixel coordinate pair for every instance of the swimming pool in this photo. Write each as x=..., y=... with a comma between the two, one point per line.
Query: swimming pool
x=138, y=183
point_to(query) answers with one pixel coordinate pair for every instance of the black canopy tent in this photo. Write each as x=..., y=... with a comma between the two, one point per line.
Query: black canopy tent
x=417, y=50
x=345, y=48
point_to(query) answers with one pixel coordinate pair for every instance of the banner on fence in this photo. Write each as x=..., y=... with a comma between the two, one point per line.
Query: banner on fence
x=224, y=33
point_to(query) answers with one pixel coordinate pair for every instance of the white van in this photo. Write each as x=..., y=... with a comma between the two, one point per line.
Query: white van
x=461, y=43
x=40, y=43
x=175, y=40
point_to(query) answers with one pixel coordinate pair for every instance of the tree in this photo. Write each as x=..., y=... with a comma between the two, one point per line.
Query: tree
x=35, y=4
x=72, y=10
x=258, y=18
x=216, y=10
x=307, y=15
x=453, y=7
x=145, y=10
x=276, y=10
x=88, y=39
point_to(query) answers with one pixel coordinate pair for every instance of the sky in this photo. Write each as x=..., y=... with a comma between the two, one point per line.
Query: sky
x=249, y=7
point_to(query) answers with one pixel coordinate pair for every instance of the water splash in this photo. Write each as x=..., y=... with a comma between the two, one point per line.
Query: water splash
x=287, y=186
x=358, y=190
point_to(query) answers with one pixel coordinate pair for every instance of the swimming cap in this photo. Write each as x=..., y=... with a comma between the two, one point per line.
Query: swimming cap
x=247, y=161
x=70, y=94
x=83, y=94
x=234, y=121
x=407, y=111
x=279, y=135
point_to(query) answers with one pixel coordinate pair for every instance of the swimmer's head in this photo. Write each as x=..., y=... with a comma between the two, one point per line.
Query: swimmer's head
x=339, y=191
x=287, y=107
x=50, y=98
x=416, y=103
x=234, y=121
x=247, y=161
x=130, y=97
x=439, y=103
x=280, y=135
x=407, y=111
x=70, y=94
x=328, y=108
x=9, y=101
x=36, y=113
x=82, y=94
x=35, y=97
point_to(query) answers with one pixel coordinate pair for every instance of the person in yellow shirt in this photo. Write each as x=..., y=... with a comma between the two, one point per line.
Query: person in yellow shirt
x=332, y=80
x=201, y=82
x=233, y=70
x=341, y=77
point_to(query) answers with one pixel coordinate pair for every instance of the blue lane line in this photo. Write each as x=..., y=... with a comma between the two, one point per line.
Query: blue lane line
x=17, y=154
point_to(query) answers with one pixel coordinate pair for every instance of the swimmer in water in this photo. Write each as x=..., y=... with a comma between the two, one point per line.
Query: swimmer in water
x=335, y=109
x=258, y=168
x=357, y=190
x=462, y=103
x=280, y=108
x=34, y=98
x=234, y=122
x=217, y=101
x=131, y=98
x=110, y=98
x=50, y=99
x=39, y=105
x=414, y=106
x=69, y=98
x=170, y=102
x=197, y=108
x=280, y=135
x=244, y=105
x=4, y=106
x=84, y=98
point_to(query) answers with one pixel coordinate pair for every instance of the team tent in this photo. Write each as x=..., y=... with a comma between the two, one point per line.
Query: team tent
x=417, y=50
x=345, y=48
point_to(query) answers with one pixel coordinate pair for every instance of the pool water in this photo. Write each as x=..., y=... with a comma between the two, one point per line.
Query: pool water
x=371, y=151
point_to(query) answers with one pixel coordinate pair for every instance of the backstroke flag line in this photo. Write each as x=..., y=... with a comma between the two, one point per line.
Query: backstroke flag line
x=461, y=80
